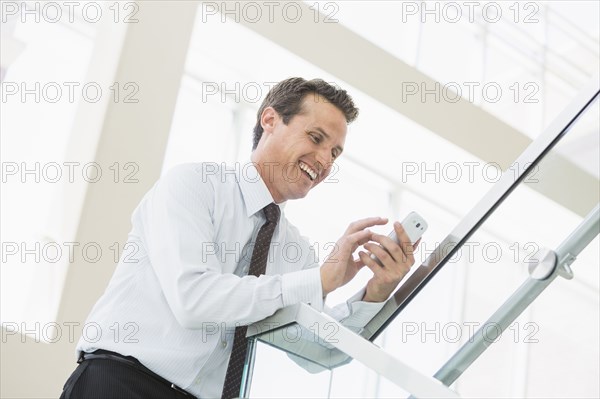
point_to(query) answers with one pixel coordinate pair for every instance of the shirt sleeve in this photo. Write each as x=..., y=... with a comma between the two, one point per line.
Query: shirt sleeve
x=354, y=313
x=178, y=228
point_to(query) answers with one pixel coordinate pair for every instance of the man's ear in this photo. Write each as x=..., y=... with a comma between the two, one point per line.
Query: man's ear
x=268, y=119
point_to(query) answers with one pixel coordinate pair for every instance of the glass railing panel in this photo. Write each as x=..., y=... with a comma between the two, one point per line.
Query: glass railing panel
x=494, y=248
x=276, y=375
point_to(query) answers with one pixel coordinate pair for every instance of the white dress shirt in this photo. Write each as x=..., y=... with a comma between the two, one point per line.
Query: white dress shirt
x=175, y=303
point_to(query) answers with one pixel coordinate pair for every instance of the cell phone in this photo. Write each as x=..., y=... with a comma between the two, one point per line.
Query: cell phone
x=414, y=226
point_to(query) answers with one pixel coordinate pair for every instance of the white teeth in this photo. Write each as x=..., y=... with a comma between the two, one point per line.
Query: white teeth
x=307, y=169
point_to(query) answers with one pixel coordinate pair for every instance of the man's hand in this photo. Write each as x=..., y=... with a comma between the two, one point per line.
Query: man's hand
x=397, y=261
x=340, y=267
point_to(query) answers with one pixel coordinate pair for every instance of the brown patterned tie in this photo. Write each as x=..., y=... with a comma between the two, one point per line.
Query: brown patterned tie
x=258, y=264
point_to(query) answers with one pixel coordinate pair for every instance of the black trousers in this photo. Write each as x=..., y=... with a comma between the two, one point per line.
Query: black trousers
x=108, y=378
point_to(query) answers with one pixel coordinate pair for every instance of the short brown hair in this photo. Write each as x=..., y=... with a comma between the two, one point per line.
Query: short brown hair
x=286, y=98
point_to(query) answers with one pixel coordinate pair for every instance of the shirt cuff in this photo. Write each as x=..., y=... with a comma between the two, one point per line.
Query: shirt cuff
x=303, y=286
x=361, y=312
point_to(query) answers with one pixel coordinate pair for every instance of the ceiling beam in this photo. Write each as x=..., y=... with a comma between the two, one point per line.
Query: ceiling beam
x=384, y=77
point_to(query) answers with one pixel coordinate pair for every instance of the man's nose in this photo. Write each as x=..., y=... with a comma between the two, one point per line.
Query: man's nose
x=324, y=159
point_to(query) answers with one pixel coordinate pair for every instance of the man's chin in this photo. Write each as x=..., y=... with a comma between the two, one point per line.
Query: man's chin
x=300, y=193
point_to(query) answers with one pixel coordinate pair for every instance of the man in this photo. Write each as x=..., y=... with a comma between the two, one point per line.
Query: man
x=177, y=307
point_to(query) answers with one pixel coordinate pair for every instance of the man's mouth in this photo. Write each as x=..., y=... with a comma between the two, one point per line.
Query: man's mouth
x=310, y=172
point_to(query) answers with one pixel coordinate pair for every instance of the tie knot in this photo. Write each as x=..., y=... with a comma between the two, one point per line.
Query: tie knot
x=272, y=212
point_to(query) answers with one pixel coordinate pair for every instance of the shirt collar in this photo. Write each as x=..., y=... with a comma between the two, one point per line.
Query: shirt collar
x=255, y=193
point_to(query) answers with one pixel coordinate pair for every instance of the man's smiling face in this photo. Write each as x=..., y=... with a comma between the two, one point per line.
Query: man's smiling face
x=294, y=158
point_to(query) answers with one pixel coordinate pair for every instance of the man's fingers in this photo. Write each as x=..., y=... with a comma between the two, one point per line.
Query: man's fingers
x=400, y=252
x=364, y=223
x=401, y=234
x=370, y=263
x=354, y=240
x=346, y=245
x=416, y=244
x=405, y=244
x=381, y=254
x=387, y=243
x=358, y=263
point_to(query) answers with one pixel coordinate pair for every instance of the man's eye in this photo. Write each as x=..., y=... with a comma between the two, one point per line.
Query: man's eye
x=334, y=154
x=315, y=138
